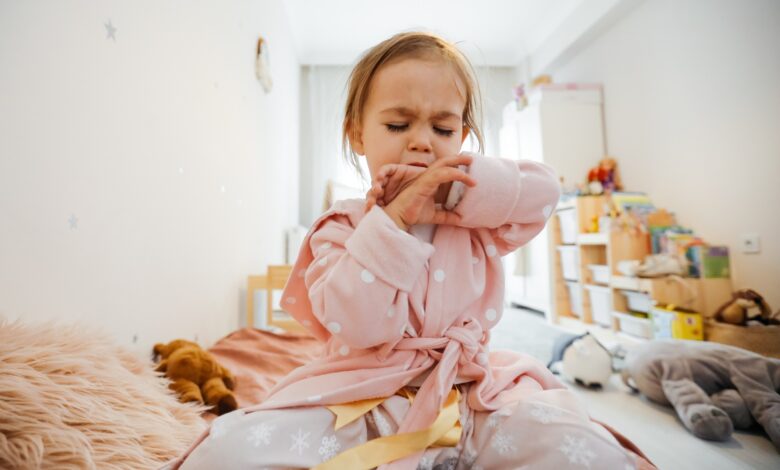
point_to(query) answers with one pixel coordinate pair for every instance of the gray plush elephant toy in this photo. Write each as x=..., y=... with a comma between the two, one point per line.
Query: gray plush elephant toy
x=713, y=387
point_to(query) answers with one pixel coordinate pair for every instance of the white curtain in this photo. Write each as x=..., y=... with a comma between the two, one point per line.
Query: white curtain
x=323, y=96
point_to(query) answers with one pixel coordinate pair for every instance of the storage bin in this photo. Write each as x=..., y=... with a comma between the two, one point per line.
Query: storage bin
x=570, y=262
x=600, y=304
x=567, y=219
x=670, y=321
x=638, y=301
x=575, y=297
x=634, y=325
x=600, y=273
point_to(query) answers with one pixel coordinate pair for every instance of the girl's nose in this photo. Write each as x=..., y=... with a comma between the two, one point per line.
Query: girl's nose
x=419, y=142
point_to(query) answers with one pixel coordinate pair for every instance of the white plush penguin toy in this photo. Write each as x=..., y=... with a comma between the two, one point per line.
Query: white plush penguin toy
x=584, y=360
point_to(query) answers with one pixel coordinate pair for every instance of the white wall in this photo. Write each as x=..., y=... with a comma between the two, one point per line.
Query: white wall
x=180, y=171
x=692, y=112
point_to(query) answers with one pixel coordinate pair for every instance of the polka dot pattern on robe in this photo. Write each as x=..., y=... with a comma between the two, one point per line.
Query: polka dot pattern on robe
x=390, y=312
x=291, y=300
x=547, y=210
x=323, y=261
x=344, y=350
x=334, y=327
x=367, y=277
x=314, y=398
x=439, y=275
x=491, y=314
x=491, y=250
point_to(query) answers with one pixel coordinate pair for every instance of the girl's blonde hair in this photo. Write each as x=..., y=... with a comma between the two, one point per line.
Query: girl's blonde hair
x=411, y=45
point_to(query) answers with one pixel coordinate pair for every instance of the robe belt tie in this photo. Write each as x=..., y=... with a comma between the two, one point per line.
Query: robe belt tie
x=458, y=345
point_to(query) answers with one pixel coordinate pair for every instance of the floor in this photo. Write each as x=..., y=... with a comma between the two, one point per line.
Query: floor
x=654, y=428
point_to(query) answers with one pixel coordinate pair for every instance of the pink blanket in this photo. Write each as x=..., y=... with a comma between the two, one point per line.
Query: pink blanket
x=259, y=359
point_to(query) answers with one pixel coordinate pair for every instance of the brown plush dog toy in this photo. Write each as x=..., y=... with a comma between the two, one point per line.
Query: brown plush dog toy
x=745, y=306
x=196, y=376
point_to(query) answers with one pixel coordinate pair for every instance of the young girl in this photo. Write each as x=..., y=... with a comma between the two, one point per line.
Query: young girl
x=403, y=288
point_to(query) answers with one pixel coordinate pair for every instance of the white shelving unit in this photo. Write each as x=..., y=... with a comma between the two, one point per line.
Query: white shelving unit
x=563, y=128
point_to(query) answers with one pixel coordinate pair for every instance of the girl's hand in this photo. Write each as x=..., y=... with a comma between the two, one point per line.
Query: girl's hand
x=389, y=182
x=415, y=203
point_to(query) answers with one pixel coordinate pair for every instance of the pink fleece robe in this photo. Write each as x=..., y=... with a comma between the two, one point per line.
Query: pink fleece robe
x=391, y=309
x=390, y=306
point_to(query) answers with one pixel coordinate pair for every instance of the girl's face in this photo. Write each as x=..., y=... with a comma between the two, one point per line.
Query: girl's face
x=413, y=115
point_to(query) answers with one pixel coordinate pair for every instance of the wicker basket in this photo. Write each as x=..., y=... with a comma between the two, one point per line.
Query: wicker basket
x=763, y=340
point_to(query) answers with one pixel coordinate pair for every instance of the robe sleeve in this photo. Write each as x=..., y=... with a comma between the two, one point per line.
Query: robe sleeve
x=356, y=279
x=513, y=199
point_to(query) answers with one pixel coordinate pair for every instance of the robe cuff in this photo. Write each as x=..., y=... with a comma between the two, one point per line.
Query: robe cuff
x=490, y=203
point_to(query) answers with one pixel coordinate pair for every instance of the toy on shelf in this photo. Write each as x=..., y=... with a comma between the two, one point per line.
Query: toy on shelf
x=603, y=179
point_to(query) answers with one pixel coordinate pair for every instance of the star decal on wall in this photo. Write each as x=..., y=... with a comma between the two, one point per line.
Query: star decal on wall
x=110, y=31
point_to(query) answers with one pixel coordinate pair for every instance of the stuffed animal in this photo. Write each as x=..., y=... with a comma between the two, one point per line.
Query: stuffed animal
x=196, y=376
x=604, y=178
x=747, y=306
x=584, y=360
x=713, y=387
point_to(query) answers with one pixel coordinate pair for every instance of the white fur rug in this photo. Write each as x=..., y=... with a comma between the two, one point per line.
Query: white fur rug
x=71, y=399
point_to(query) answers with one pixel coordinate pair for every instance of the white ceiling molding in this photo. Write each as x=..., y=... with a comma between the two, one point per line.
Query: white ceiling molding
x=585, y=23
x=534, y=36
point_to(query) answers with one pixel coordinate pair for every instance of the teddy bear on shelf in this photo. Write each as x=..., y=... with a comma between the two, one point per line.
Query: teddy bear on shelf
x=714, y=388
x=747, y=307
x=196, y=376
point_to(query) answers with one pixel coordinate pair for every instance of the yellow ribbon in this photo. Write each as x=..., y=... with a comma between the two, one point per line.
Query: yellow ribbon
x=445, y=431
x=349, y=412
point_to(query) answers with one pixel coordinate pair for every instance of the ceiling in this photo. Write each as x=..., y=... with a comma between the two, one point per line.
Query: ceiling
x=490, y=32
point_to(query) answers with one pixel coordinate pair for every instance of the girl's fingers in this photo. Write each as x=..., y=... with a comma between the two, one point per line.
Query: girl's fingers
x=377, y=191
x=374, y=195
x=442, y=217
x=455, y=161
x=387, y=171
x=448, y=174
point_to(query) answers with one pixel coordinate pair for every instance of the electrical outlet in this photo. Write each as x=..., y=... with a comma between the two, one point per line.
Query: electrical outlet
x=751, y=243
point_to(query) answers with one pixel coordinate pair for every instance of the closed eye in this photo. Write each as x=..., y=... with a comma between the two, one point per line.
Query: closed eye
x=403, y=127
x=444, y=132
x=397, y=127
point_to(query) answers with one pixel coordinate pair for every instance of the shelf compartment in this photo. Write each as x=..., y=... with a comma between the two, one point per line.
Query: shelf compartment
x=634, y=325
x=600, y=299
x=592, y=239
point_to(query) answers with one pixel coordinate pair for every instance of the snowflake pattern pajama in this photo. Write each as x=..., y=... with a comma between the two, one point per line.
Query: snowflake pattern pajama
x=542, y=430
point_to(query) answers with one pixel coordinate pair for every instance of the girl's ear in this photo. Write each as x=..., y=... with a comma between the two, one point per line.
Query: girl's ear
x=355, y=139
